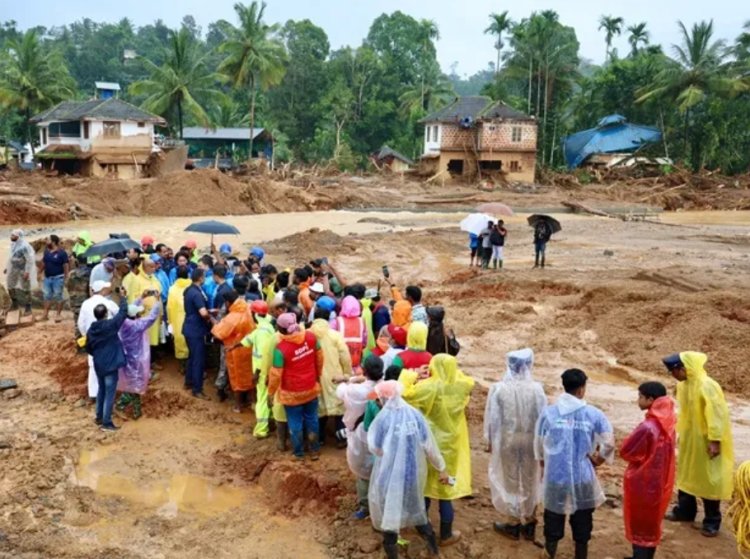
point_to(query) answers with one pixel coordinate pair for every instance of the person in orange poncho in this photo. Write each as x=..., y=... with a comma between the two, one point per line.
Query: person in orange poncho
x=237, y=324
x=649, y=478
x=401, y=314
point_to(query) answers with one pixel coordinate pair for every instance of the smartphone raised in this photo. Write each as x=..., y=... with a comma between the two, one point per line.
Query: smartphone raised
x=386, y=273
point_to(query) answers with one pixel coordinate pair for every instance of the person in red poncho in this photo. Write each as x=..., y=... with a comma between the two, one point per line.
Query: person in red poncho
x=649, y=478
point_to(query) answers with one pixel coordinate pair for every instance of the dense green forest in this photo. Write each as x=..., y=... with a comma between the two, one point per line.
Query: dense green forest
x=341, y=105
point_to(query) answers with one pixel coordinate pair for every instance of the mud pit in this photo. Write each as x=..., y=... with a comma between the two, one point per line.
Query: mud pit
x=188, y=480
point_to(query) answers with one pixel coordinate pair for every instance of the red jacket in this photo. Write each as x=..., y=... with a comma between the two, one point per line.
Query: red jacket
x=649, y=478
x=298, y=363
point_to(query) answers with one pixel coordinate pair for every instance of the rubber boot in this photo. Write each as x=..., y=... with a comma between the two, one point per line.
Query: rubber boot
x=448, y=536
x=528, y=531
x=550, y=550
x=512, y=531
x=536, y=261
x=494, y=264
x=391, y=550
x=582, y=551
x=500, y=263
x=281, y=433
x=429, y=538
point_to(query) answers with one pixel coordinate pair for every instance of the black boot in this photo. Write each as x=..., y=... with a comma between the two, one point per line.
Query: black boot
x=542, y=261
x=551, y=549
x=391, y=550
x=281, y=432
x=512, y=531
x=448, y=536
x=428, y=535
x=582, y=550
x=528, y=531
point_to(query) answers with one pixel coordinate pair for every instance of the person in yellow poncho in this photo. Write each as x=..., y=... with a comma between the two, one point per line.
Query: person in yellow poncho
x=176, y=314
x=147, y=281
x=83, y=243
x=337, y=366
x=442, y=397
x=706, y=452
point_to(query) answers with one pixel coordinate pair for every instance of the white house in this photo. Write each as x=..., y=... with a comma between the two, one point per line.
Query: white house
x=100, y=137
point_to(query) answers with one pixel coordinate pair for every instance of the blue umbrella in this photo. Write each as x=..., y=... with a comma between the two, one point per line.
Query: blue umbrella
x=111, y=246
x=213, y=227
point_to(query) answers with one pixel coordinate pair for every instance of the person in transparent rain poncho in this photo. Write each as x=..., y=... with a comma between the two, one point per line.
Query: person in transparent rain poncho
x=402, y=443
x=513, y=407
x=572, y=439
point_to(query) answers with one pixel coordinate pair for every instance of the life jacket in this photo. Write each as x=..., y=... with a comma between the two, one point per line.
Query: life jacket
x=413, y=359
x=300, y=373
x=352, y=328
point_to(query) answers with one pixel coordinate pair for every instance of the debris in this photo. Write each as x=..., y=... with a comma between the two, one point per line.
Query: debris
x=7, y=384
x=609, y=252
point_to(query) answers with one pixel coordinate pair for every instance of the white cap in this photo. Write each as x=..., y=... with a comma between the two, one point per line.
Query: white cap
x=135, y=310
x=371, y=293
x=97, y=286
x=317, y=287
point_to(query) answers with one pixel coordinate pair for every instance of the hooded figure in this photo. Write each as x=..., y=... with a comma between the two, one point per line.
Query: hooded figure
x=443, y=398
x=176, y=316
x=703, y=421
x=437, y=340
x=231, y=330
x=351, y=325
x=21, y=269
x=649, y=478
x=83, y=243
x=513, y=407
x=337, y=363
x=147, y=281
x=134, y=376
x=415, y=355
x=402, y=443
x=262, y=341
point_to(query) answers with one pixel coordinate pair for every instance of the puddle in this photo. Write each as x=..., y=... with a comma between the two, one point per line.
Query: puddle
x=101, y=470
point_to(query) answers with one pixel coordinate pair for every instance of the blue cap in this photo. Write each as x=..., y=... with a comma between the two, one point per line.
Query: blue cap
x=258, y=252
x=673, y=361
x=155, y=257
x=226, y=248
x=326, y=303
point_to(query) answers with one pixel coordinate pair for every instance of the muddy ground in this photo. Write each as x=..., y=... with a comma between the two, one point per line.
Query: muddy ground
x=189, y=481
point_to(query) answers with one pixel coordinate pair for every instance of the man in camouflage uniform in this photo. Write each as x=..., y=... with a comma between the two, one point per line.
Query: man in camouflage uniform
x=78, y=289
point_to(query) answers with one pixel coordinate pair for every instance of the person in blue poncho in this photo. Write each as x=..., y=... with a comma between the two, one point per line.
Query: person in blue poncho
x=572, y=439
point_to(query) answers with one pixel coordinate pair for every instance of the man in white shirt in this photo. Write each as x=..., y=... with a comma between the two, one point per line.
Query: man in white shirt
x=86, y=318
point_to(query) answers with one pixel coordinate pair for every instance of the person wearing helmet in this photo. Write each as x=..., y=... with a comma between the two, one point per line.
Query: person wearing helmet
x=262, y=340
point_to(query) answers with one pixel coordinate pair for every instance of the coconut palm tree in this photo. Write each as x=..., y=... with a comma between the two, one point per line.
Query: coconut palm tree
x=32, y=77
x=638, y=36
x=182, y=85
x=500, y=23
x=255, y=56
x=433, y=93
x=612, y=26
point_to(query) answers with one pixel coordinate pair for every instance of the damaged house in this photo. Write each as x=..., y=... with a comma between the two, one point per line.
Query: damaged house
x=475, y=135
x=100, y=137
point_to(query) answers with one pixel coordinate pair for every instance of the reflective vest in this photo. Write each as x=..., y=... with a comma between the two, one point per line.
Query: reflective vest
x=352, y=328
x=300, y=373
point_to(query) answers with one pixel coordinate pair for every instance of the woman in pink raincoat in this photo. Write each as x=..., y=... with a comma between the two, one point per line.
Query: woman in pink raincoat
x=134, y=377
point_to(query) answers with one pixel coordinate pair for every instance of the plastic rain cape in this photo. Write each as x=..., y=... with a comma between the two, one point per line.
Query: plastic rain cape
x=21, y=260
x=513, y=408
x=442, y=399
x=703, y=417
x=133, y=334
x=355, y=397
x=401, y=441
x=567, y=433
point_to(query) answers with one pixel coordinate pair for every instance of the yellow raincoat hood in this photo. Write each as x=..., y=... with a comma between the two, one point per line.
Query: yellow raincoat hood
x=442, y=399
x=417, y=337
x=703, y=417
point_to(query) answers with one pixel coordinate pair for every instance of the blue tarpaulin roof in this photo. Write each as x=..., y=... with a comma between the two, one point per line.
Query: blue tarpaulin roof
x=613, y=134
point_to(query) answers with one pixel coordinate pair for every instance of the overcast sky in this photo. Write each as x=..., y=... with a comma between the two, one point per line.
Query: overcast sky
x=461, y=22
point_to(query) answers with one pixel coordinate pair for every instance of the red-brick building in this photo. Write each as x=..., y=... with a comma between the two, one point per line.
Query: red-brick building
x=478, y=134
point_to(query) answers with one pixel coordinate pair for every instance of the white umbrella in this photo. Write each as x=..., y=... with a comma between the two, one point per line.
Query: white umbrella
x=475, y=223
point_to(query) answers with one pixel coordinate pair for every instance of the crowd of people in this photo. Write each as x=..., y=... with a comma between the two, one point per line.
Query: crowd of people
x=488, y=246
x=315, y=356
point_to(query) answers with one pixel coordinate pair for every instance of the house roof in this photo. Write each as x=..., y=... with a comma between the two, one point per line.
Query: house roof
x=200, y=133
x=97, y=109
x=385, y=152
x=107, y=85
x=612, y=135
x=475, y=107
x=17, y=146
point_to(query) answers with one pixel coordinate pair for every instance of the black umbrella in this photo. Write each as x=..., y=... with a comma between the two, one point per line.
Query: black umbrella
x=213, y=227
x=111, y=246
x=554, y=225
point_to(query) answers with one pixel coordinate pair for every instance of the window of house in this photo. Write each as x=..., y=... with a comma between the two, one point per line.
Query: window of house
x=141, y=125
x=85, y=129
x=515, y=167
x=516, y=134
x=44, y=136
x=434, y=133
x=111, y=129
x=427, y=133
x=69, y=129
